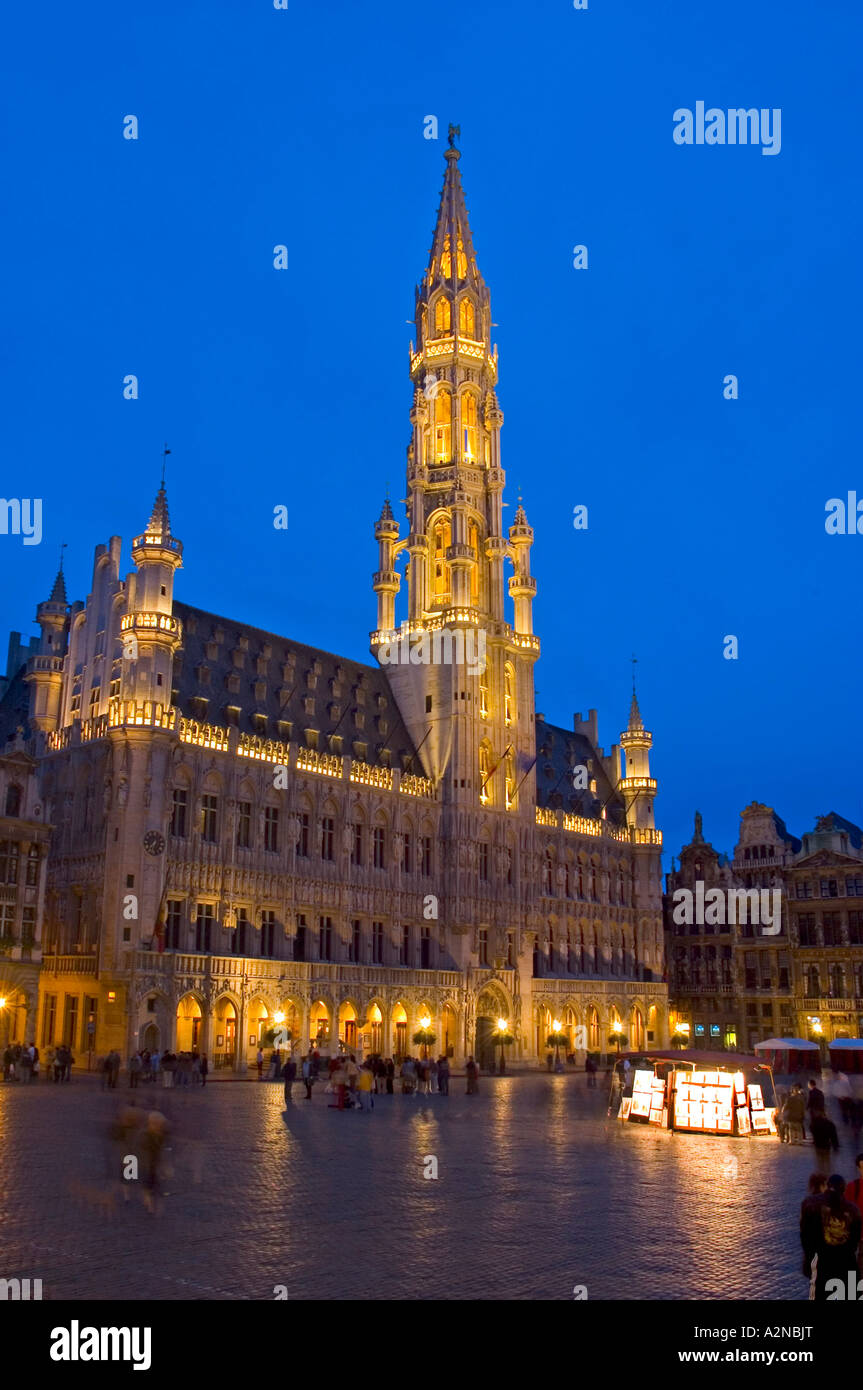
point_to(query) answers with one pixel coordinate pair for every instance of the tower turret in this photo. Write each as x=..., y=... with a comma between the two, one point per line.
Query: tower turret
x=638, y=787
x=150, y=632
x=386, y=581
x=45, y=671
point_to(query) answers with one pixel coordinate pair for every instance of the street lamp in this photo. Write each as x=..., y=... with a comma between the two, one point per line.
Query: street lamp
x=680, y=1036
x=554, y=1039
x=617, y=1033
x=424, y=1037
x=503, y=1036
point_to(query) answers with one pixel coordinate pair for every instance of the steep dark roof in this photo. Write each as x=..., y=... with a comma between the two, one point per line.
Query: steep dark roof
x=558, y=752
x=273, y=681
x=855, y=834
x=785, y=834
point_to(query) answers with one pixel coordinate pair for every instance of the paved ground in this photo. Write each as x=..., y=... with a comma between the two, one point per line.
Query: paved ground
x=537, y=1191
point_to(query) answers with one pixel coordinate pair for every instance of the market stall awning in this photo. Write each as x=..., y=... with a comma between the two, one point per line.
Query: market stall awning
x=786, y=1045
x=731, y=1061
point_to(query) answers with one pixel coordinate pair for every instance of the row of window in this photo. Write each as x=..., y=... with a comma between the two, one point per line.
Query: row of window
x=829, y=888
x=365, y=944
x=365, y=847
x=619, y=895
x=830, y=931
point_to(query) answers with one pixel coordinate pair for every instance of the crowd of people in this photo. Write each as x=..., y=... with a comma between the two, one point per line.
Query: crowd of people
x=24, y=1064
x=796, y=1111
x=176, y=1069
x=830, y=1233
x=355, y=1085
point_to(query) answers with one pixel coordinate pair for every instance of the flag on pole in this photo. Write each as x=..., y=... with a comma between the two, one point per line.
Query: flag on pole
x=161, y=922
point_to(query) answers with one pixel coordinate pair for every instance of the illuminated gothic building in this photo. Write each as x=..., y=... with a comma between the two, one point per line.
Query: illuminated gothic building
x=248, y=833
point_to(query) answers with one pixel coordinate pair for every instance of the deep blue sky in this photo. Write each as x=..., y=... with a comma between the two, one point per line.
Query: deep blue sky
x=305, y=127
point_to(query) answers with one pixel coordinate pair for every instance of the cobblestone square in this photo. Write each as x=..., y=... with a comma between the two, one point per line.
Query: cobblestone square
x=538, y=1191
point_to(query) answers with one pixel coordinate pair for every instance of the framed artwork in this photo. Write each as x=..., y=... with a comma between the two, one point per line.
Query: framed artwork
x=743, y=1125
x=625, y=1107
x=756, y=1101
x=253, y=1041
x=220, y=1040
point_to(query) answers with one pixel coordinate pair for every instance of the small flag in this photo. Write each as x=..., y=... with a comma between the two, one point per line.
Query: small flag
x=161, y=922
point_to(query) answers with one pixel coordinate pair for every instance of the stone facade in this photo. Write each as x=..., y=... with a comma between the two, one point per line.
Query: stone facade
x=735, y=984
x=251, y=834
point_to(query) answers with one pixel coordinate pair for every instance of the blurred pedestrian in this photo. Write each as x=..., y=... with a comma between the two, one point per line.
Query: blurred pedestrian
x=289, y=1075
x=824, y=1138
x=259, y=1062
x=472, y=1073
x=443, y=1076
x=815, y=1100
x=845, y=1096
x=205, y=1069
x=365, y=1082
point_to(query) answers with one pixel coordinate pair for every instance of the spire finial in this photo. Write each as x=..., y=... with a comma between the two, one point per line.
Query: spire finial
x=634, y=664
x=63, y=545
x=165, y=452
x=452, y=132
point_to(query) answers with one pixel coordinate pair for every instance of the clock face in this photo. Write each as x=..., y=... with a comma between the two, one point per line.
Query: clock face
x=154, y=843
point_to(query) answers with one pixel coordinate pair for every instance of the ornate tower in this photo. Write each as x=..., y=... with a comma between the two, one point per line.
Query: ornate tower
x=638, y=787
x=150, y=632
x=473, y=717
x=45, y=671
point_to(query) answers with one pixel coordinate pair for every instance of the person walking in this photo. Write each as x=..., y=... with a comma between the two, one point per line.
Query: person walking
x=196, y=1070
x=339, y=1083
x=152, y=1145
x=308, y=1079
x=810, y=1219
x=590, y=1072
x=365, y=1083
x=135, y=1066
x=169, y=1068
x=472, y=1073
x=845, y=1096
x=837, y=1237
x=289, y=1076
x=815, y=1103
x=113, y=1068
x=34, y=1062
x=824, y=1138
x=205, y=1069
x=794, y=1114
x=352, y=1072
x=443, y=1076
x=391, y=1075
x=432, y=1066
x=259, y=1061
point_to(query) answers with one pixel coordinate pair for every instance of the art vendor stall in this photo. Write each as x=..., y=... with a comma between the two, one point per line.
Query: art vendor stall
x=699, y=1092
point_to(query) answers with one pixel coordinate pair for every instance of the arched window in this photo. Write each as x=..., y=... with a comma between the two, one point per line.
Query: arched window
x=442, y=316
x=460, y=259
x=441, y=541
x=446, y=259
x=593, y=1030
x=443, y=427
x=484, y=769
x=483, y=693
x=508, y=694
x=469, y=439
x=466, y=318
x=13, y=800
x=473, y=542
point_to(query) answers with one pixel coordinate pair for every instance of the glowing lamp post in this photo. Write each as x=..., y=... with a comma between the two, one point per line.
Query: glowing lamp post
x=502, y=1037
x=554, y=1039
x=424, y=1037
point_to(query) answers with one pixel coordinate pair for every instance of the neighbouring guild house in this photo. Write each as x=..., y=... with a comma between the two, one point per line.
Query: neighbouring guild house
x=731, y=984
x=250, y=834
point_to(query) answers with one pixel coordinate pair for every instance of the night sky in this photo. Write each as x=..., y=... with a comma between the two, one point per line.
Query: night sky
x=260, y=127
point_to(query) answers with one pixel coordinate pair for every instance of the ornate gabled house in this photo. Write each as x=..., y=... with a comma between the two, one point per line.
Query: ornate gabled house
x=249, y=833
x=737, y=984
